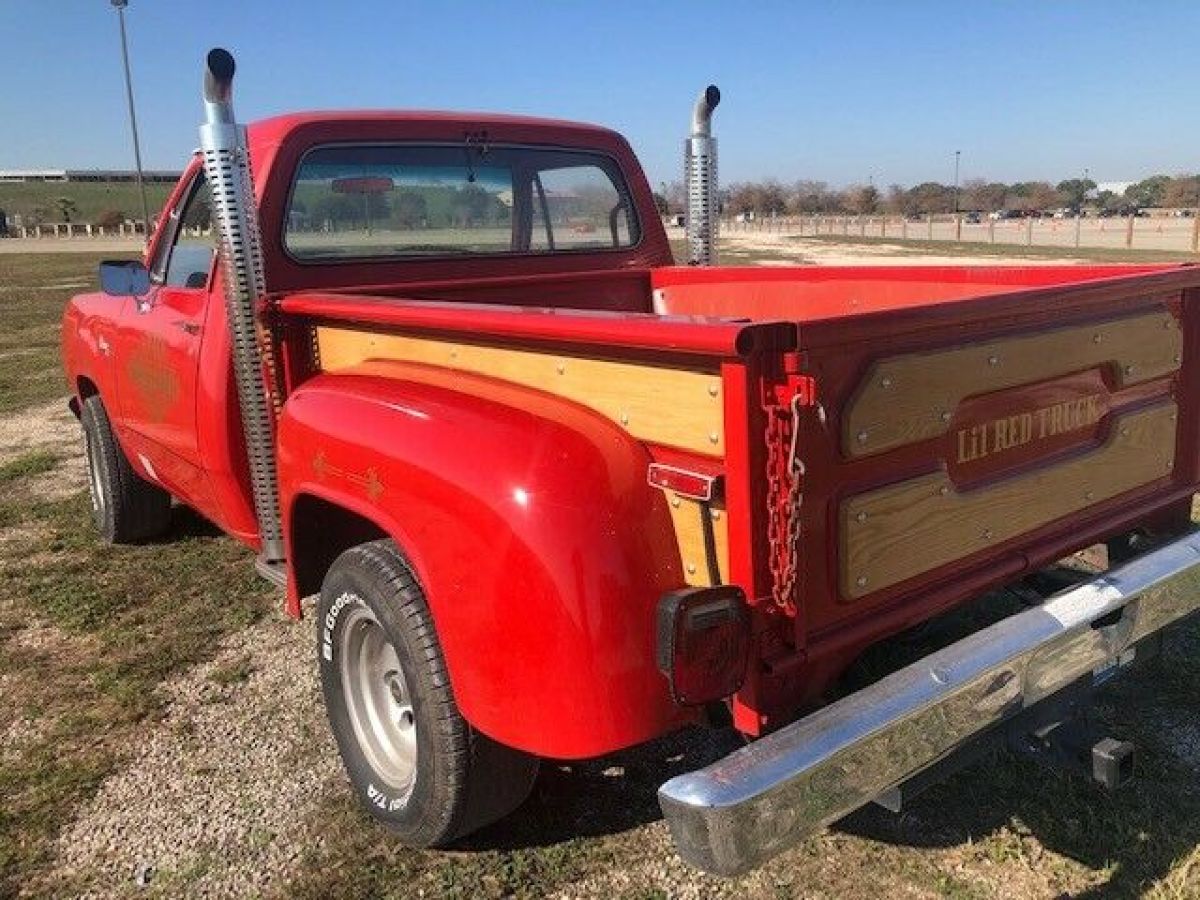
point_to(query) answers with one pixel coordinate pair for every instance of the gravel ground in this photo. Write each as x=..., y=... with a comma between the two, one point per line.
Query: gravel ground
x=210, y=806
x=47, y=427
x=655, y=865
x=50, y=427
x=50, y=641
x=792, y=249
x=213, y=802
x=72, y=245
x=1182, y=737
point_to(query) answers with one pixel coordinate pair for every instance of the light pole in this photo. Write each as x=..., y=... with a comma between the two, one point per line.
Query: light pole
x=1079, y=209
x=957, y=217
x=120, y=5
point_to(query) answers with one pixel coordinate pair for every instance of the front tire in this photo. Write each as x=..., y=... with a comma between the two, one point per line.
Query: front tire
x=126, y=508
x=413, y=760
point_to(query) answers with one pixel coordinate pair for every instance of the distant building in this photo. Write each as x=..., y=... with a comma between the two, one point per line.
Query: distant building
x=26, y=176
x=1117, y=187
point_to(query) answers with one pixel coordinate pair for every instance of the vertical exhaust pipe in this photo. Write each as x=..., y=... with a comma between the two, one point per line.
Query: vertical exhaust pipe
x=700, y=177
x=227, y=168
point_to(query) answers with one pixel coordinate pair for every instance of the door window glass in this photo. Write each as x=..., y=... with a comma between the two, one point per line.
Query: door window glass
x=185, y=257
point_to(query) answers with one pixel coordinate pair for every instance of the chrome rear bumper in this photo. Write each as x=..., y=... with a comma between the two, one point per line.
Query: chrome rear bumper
x=761, y=799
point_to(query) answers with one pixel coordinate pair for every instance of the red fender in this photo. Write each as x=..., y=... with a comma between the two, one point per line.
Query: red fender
x=88, y=335
x=528, y=519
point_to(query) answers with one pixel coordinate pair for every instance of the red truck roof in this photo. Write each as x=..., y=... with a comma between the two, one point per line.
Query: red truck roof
x=277, y=144
x=275, y=129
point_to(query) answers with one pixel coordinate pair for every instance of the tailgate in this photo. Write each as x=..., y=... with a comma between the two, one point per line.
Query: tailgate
x=961, y=445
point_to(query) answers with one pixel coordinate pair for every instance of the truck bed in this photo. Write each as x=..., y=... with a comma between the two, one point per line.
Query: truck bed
x=974, y=424
x=815, y=293
x=968, y=425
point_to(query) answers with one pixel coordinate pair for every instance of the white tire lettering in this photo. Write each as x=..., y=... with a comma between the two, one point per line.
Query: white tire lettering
x=377, y=797
x=331, y=617
x=380, y=799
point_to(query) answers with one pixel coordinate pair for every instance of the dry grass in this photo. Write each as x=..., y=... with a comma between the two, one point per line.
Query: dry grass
x=87, y=632
x=33, y=290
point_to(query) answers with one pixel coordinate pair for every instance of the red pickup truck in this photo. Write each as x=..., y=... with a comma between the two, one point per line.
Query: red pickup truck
x=560, y=496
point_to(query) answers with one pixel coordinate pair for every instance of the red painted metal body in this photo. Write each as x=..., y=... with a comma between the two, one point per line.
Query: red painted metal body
x=528, y=518
x=488, y=487
x=163, y=371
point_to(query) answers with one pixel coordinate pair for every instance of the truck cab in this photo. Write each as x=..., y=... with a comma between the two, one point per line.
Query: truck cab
x=558, y=496
x=566, y=221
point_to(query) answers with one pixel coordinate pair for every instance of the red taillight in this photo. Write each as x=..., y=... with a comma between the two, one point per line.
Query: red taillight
x=703, y=642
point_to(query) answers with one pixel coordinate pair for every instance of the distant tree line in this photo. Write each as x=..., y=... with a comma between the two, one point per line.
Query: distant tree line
x=406, y=207
x=773, y=197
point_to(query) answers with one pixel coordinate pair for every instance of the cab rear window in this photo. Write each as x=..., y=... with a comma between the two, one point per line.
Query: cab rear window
x=396, y=201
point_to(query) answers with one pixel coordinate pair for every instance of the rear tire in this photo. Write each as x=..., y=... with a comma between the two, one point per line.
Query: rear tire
x=413, y=760
x=126, y=508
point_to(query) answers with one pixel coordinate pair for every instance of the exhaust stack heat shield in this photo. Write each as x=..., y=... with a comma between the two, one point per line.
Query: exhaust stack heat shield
x=227, y=168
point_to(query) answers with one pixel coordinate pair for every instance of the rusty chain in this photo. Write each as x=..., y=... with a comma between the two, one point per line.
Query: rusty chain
x=784, y=474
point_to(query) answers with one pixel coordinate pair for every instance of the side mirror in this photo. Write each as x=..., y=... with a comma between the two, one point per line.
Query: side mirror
x=124, y=278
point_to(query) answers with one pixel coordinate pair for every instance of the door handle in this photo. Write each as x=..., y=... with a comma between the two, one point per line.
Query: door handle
x=190, y=327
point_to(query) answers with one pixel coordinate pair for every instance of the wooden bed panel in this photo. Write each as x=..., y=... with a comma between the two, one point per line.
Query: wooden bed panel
x=689, y=533
x=912, y=397
x=674, y=407
x=902, y=530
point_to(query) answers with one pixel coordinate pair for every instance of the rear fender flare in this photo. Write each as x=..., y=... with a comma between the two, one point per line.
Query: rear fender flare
x=528, y=519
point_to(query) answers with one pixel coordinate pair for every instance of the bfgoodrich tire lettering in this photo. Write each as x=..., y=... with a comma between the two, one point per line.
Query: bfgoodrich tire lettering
x=125, y=507
x=413, y=761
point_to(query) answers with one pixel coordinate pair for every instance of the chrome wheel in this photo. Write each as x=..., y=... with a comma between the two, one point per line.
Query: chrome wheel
x=95, y=483
x=378, y=699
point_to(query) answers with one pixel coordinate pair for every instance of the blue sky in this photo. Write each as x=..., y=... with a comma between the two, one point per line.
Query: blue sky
x=836, y=91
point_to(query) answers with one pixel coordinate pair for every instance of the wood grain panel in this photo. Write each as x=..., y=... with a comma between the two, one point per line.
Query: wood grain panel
x=689, y=533
x=903, y=530
x=912, y=397
x=664, y=405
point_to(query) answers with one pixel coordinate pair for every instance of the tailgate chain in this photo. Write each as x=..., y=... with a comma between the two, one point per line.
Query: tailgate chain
x=784, y=473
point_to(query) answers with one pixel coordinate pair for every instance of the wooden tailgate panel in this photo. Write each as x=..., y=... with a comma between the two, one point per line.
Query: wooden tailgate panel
x=909, y=398
x=1018, y=433
x=900, y=531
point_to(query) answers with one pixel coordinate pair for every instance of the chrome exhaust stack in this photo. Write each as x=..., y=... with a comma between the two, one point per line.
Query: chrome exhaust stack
x=700, y=177
x=227, y=168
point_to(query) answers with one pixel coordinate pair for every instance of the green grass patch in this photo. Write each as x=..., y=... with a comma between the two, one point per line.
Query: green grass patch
x=91, y=198
x=34, y=289
x=35, y=462
x=235, y=672
x=92, y=633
